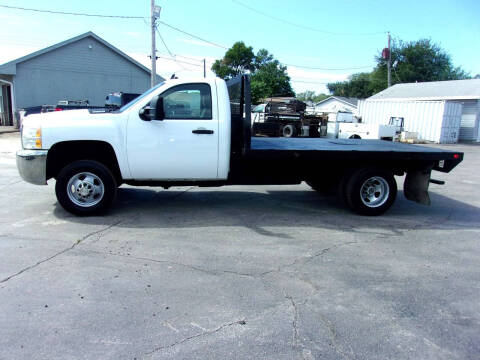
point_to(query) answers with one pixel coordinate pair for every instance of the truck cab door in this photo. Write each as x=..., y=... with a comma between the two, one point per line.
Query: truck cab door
x=183, y=143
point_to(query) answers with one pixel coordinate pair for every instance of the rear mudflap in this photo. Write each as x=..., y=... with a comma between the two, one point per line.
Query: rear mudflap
x=415, y=187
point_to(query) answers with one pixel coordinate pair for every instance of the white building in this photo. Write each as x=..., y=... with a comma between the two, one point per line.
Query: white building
x=83, y=67
x=336, y=104
x=439, y=111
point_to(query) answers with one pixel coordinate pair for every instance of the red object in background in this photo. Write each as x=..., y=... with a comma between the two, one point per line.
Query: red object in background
x=385, y=53
x=58, y=109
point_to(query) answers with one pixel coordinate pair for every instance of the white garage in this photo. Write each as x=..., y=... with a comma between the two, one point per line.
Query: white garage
x=439, y=111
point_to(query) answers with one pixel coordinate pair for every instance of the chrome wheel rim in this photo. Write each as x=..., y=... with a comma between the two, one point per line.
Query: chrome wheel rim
x=85, y=189
x=374, y=192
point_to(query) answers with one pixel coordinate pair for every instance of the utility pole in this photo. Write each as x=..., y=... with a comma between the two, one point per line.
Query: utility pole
x=204, y=68
x=155, y=12
x=389, y=63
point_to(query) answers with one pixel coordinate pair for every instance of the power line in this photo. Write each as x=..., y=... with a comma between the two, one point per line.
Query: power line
x=190, y=58
x=111, y=16
x=192, y=35
x=169, y=52
x=309, y=82
x=72, y=13
x=164, y=44
x=178, y=61
x=185, y=32
x=303, y=26
x=331, y=69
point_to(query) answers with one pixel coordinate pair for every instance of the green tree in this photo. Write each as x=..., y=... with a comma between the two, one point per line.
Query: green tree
x=268, y=76
x=310, y=95
x=358, y=85
x=415, y=61
x=237, y=60
x=270, y=79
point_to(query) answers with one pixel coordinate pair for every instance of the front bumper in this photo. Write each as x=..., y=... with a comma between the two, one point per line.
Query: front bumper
x=32, y=166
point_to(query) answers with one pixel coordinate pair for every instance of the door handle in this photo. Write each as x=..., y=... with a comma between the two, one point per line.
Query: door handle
x=202, y=131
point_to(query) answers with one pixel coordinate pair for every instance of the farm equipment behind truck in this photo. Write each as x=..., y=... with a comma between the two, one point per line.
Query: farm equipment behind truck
x=286, y=117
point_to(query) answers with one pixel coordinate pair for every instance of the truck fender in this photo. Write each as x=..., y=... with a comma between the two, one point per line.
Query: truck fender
x=415, y=187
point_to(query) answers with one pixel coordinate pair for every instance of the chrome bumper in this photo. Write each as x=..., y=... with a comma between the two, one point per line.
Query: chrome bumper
x=32, y=166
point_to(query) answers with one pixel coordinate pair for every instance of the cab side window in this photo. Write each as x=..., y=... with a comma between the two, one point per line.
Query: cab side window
x=188, y=101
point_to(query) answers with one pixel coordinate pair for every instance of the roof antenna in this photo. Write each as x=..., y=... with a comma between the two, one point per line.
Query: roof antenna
x=173, y=76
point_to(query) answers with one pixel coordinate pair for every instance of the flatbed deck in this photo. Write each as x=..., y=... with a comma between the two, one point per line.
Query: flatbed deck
x=351, y=149
x=325, y=144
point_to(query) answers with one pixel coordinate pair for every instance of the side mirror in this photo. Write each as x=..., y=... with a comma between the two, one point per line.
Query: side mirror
x=153, y=111
x=159, y=113
x=145, y=114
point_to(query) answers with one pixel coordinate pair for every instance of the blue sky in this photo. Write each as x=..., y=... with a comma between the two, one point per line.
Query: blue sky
x=454, y=25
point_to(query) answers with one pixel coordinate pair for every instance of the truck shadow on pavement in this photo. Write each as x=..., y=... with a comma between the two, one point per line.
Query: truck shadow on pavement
x=261, y=211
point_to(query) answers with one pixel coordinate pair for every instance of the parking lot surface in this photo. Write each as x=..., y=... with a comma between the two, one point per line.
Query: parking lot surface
x=257, y=272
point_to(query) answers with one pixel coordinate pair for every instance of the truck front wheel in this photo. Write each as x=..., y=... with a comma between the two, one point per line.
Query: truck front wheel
x=85, y=187
x=370, y=191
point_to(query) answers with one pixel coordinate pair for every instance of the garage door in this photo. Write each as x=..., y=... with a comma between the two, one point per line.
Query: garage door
x=469, y=123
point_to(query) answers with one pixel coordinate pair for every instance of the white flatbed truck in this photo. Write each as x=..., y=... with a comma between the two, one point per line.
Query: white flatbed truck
x=195, y=132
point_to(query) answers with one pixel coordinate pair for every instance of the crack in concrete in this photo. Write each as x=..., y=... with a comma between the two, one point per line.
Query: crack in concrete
x=203, y=333
x=333, y=335
x=102, y=232
x=188, y=266
x=306, y=259
x=12, y=183
x=76, y=243
x=295, y=320
x=258, y=276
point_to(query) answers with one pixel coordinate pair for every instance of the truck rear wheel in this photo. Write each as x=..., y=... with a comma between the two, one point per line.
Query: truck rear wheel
x=288, y=131
x=370, y=191
x=85, y=187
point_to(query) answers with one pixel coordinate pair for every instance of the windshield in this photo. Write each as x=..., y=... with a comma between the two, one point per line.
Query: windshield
x=134, y=101
x=259, y=108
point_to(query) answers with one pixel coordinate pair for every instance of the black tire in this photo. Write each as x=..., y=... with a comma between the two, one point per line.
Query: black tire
x=75, y=183
x=355, y=136
x=369, y=191
x=288, y=131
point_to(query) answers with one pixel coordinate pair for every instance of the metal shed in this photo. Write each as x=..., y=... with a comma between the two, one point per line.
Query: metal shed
x=439, y=111
x=85, y=67
x=436, y=121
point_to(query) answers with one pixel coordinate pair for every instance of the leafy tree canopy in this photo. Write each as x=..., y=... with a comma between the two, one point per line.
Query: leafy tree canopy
x=415, y=61
x=358, y=85
x=239, y=59
x=311, y=96
x=268, y=76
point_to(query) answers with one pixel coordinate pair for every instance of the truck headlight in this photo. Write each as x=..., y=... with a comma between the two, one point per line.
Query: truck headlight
x=32, y=137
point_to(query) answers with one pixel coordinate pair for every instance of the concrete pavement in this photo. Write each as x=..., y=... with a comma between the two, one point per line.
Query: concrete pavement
x=259, y=272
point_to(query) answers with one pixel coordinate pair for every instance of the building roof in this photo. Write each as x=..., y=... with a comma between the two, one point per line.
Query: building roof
x=349, y=101
x=435, y=90
x=9, y=68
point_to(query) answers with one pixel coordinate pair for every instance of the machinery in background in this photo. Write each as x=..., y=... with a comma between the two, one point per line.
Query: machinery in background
x=286, y=117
